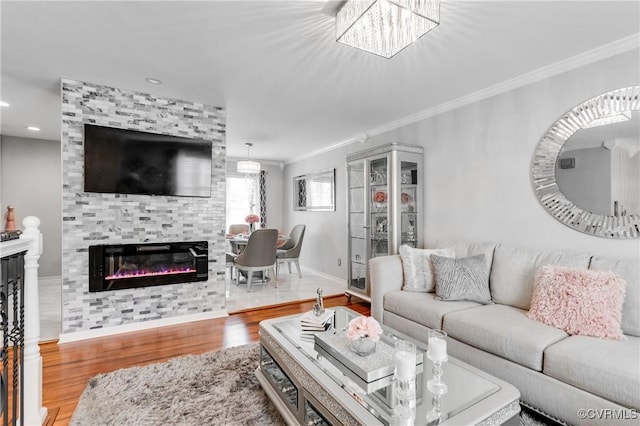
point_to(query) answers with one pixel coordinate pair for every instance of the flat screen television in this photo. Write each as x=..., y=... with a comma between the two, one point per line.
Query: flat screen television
x=124, y=161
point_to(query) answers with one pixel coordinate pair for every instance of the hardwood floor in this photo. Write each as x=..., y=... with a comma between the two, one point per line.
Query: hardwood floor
x=68, y=367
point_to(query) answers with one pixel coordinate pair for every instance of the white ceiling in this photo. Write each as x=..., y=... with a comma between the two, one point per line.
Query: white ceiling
x=288, y=86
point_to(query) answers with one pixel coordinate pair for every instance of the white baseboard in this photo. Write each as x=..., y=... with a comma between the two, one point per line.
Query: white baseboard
x=326, y=276
x=138, y=326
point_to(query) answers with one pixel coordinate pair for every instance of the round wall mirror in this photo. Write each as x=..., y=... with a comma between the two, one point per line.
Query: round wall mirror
x=586, y=168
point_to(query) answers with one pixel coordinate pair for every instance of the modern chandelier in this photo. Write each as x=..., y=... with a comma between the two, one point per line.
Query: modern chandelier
x=385, y=27
x=248, y=166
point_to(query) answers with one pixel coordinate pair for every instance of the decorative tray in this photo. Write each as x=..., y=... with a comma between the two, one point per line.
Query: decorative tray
x=370, y=369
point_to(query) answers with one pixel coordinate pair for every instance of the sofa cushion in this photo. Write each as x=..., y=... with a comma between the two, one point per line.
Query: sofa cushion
x=461, y=279
x=629, y=270
x=513, y=272
x=416, y=265
x=503, y=331
x=579, y=301
x=422, y=307
x=607, y=368
x=470, y=248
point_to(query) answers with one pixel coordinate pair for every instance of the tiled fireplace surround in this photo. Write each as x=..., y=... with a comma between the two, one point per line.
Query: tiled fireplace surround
x=92, y=218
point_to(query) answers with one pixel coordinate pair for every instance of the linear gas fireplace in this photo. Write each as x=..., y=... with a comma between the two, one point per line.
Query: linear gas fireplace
x=116, y=267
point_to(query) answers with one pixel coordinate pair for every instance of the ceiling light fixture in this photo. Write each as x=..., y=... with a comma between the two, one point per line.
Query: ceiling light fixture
x=153, y=80
x=3, y=104
x=385, y=27
x=611, y=119
x=33, y=128
x=248, y=166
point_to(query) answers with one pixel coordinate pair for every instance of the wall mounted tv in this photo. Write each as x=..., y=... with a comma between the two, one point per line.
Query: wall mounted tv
x=130, y=162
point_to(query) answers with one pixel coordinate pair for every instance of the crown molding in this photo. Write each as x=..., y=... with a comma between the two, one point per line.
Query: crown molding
x=599, y=53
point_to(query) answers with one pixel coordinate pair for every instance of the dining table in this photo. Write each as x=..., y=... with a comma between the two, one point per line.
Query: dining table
x=238, y=242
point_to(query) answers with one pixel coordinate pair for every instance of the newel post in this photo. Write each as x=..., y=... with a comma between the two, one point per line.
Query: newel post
x=34, y=412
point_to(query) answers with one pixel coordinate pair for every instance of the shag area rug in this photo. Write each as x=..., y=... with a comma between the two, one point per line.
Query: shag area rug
x=215, y=388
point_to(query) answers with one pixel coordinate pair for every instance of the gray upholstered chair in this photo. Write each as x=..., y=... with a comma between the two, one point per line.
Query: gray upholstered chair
x=290, y=251
x=238, y=228
x=258, y=256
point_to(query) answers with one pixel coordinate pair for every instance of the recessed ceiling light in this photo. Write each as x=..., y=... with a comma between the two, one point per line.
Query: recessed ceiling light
x=33, y=128
x=153, y=80
x=3, y=104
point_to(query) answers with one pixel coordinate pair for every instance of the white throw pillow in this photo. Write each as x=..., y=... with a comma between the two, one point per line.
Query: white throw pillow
x=416, y=264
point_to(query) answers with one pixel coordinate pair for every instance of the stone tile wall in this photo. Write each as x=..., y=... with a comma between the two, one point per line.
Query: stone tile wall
x=92, y=218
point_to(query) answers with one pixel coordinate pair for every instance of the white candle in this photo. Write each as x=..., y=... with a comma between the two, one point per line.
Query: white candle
x=437, y=349
x=405, y=365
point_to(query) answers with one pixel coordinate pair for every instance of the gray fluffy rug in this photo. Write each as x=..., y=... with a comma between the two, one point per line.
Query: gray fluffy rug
x=215, y=388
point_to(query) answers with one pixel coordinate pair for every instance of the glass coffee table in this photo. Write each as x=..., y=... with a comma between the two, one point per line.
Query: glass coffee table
x=313, y=383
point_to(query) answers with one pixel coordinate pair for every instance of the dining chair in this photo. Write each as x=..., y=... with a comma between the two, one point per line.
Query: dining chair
x=230, y=258
x=258, y=256
x=290, y=251
x=238, y=228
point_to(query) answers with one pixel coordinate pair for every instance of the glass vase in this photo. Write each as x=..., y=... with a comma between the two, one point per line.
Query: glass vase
x=363, y=346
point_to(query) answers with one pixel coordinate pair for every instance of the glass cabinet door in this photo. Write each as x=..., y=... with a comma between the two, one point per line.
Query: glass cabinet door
x=408, y=203
x=379, y=206
x=357, y=225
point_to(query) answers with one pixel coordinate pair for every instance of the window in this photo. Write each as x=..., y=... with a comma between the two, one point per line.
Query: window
x=242, y=197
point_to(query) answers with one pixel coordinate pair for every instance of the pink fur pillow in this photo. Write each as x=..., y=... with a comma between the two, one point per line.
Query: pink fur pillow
x=579, y=301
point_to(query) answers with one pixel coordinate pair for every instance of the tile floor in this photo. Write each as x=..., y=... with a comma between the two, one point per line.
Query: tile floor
x=290, y=288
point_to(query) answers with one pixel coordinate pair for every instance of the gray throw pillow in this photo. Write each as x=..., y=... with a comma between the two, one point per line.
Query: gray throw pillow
x=461, y=279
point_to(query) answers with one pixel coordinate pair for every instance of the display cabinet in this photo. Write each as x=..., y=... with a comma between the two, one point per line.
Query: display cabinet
x=384, y=207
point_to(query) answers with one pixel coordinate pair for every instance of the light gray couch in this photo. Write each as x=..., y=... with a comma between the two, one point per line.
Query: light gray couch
x=556, y=373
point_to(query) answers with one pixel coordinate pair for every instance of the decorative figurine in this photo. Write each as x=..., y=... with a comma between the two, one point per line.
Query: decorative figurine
x=318, y=308
x=10, y=224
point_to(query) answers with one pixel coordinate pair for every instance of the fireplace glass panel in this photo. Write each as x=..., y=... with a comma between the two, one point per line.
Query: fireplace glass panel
x=115, y=267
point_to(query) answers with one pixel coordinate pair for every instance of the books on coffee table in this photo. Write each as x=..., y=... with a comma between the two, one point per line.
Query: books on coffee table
x=311, y=324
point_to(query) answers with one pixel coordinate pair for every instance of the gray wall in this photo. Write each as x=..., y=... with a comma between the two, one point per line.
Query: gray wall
x=30, y=182
x=477, y=170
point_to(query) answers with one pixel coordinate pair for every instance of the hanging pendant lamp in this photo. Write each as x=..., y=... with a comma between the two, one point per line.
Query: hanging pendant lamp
x=248, y=166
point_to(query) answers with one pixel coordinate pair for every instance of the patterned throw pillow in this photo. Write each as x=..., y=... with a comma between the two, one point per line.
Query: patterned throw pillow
x=416, y=265
x=579, y=301
x=461, y=279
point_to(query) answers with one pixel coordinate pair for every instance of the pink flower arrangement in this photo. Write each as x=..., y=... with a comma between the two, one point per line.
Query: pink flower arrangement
x=364, y=327
x=380, y=197
x=252, y=218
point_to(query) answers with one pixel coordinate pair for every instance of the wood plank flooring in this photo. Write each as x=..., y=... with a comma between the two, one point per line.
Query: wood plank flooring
x=68, y=367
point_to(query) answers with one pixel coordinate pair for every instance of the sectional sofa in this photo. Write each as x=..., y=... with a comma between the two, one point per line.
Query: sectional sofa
x=575, y=379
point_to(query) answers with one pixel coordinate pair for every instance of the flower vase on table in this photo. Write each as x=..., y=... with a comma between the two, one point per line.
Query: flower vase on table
x=363, y=333
x=252, y=219
x=363, y=345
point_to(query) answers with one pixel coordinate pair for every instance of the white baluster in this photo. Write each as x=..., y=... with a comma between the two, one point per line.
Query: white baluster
x=34, y=412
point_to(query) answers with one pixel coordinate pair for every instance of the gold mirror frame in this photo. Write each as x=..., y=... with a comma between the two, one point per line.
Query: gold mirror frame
x=544, y=165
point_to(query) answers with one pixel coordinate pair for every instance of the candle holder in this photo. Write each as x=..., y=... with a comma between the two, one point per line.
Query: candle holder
x=437, y=353
x=436, y=411
x=405, y=371
x=404, y=403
